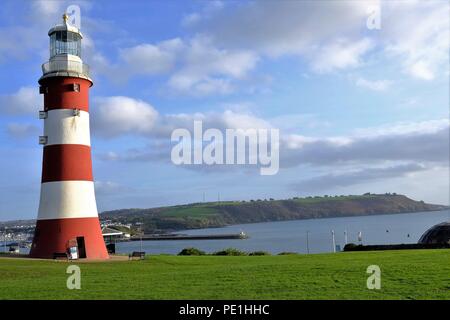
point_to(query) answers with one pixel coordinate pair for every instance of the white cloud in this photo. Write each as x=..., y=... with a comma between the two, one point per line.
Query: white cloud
x=22, y=130
x=285, y=27
x=426, y=141
x=113, y=116
x=190, y=19
x=374, y=85
x=198, y=68
x=422, y=70
x=118, y=115
x=28, y=38
x=227, y=119
x=340, y=54
x=235, y=120
x=105, y=188
x=410, y=102
x=291, y=122
x=203, y=58
x=328, y=34
x=209, y=7
x=151, y=59
x=207, y=69
x=203, y=86
x=46, y=8
x=25, y=101
x=109, y=156
x=332, y=35
x=417, y=34
x=365, y=156
x=359, y=176
x=143, y=59
x=404, y=128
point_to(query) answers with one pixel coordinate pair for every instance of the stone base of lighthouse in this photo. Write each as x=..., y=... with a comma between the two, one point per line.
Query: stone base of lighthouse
x=54, y=235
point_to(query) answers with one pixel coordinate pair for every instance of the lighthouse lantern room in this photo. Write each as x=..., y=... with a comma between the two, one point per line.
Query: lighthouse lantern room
x=67, y=217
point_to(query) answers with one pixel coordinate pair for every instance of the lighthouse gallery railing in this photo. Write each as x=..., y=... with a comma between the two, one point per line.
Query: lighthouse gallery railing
x=66, y=66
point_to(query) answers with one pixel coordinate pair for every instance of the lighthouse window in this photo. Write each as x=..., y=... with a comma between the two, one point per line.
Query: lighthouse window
x=65, y=42
x=43, y=90
x=76, y=87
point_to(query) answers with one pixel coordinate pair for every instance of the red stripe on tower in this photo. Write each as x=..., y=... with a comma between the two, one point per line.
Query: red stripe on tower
x=62, y=94
x=66, y=162
x=67, y=214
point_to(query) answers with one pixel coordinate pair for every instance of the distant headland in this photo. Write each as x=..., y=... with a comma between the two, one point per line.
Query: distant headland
x=219, y=214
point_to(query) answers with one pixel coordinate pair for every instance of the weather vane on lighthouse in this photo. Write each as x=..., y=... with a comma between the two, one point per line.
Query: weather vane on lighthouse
x=67, y=218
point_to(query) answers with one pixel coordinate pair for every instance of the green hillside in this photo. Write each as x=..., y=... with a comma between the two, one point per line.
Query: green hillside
x=215, y=214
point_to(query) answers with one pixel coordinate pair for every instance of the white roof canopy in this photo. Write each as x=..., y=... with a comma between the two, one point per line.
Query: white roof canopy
x=65, y=26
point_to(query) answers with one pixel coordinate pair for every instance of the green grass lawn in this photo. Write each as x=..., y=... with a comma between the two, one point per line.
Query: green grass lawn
x=405, y=274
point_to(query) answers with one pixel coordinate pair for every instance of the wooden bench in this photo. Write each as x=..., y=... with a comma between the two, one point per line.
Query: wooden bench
x=58, y=255
x=137, y=254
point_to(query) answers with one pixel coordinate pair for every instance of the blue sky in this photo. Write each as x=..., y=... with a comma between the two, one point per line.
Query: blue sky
x=358, y=109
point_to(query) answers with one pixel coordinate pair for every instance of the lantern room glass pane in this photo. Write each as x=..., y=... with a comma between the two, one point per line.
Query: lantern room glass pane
x=65, y=42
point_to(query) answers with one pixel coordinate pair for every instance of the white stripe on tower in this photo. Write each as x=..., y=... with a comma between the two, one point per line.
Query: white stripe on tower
x=67, y=199
x=62, y=127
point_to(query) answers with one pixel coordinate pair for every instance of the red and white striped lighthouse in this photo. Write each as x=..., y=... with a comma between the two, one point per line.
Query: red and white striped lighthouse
x=67, y=214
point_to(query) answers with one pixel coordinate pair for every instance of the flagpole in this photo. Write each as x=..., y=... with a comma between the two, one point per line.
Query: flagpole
x=334, y=241
x=307, y=241
x=4, y=244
